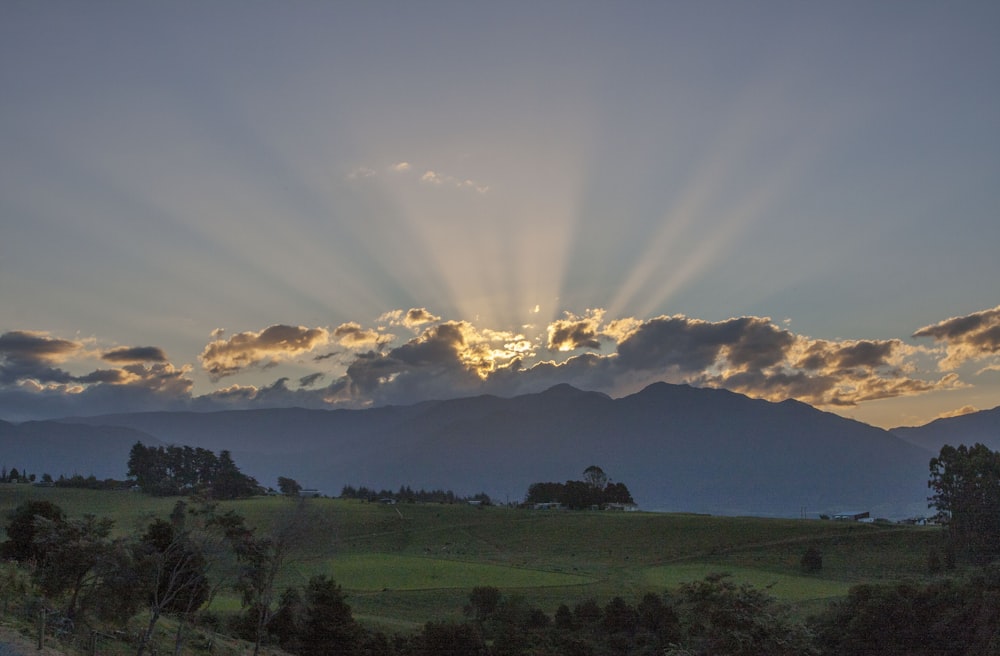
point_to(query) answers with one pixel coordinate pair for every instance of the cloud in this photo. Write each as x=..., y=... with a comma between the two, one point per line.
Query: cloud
x=352, y=335
x=30, y=355
x=958, y=412
x=311, y=379
x=412, y=318
x=225, y=357
x=973, y=337
x=439, y=179
x=691, y=345
x=449, y=358
x=575, y=332
x=35, y=346
x=399, y=167
x=135, y=354
x=360, y=173
x=444, y=358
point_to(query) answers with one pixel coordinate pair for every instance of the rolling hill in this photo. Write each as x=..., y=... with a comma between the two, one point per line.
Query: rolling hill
x=676, y=447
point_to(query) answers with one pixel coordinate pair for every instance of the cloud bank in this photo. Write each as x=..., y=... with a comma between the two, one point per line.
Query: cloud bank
x=42, y=375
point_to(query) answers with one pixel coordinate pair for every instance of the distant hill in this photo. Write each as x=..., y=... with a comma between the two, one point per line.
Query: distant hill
x=978, y=427
x=675, y=447
x=52, y=447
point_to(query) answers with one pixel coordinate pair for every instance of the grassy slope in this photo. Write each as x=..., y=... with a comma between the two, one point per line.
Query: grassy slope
x=403, y=565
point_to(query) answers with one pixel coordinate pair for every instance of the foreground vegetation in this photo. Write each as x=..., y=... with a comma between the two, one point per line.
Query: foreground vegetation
x=409, y=569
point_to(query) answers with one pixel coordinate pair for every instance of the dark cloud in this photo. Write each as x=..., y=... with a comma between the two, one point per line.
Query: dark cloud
x=777, y=385
x=754, y=342
x=680, y=343
x=437, y=346
x=135, y=354
x=823, y=355
x=22, y=345
x=311, y=379
x=28, y=355
x=574, y=333
x=111, y=376
x=971, y=337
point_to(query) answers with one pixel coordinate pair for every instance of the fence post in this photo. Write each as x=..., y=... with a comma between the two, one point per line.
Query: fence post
x=41, y=628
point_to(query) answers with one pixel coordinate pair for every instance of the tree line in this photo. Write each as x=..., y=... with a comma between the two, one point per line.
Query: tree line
x=406, y=494
x=185, y=470
x=595, y=490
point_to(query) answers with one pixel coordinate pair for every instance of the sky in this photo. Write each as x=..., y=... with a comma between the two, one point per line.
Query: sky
x=243, y=204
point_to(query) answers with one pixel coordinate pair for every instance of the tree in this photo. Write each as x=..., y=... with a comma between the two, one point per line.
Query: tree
x=175, y=576
x=483, y=602
x=617, y=493
x=812, y=560
x=74, y=551
x=260, y=559
x=438, y=638
x=595, y=477
x=289, y=486
x=20, y=544
x=724, y=619
x=328, y=626
x=966, y=492
x=230, y=482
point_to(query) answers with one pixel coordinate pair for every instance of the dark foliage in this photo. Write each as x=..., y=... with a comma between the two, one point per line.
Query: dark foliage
x=945, y=618
x=178, y=567
x=405, y=494
x=595, y=491
x=812, y=560
x=176, y=470
x=966, y=492
x=21, y=530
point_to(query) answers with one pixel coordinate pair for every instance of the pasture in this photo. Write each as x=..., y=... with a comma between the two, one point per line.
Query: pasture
x=406, y=564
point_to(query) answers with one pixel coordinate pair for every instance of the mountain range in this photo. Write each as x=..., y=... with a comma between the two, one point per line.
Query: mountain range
x=677, y=448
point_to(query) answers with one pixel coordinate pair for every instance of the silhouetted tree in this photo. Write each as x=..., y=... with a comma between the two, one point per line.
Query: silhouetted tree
x=289, y=486
x=21, y=529
x=966, y=486
x=75, y=550
x=595, y=477
x=174, y=572
x=327, y=626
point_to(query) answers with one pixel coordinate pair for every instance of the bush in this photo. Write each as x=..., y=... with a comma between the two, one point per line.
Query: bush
x=812, y=560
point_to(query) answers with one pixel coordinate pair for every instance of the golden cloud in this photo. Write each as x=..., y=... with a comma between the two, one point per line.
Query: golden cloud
x=574, y=332
x=352, y=335
x=972, y=337
x=224, y=357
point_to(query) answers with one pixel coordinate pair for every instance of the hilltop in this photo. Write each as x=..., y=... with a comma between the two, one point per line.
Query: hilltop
x=678, y=448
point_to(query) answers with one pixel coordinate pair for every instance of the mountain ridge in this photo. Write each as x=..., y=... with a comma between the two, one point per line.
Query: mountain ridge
x=677, y=447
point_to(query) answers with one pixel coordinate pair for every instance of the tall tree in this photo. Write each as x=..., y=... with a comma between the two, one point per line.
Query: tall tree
x=175, y=573
x=328, y=627
x=966, y=492
x=261, y=558
x=595, y=477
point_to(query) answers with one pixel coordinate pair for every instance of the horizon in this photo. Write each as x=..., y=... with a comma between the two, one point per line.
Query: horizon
x=352, y=205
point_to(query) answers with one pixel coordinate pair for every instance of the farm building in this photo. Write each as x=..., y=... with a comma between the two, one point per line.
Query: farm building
x=852, y=516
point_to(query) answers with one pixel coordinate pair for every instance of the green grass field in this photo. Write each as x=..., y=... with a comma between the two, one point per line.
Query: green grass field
x=407, y=564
